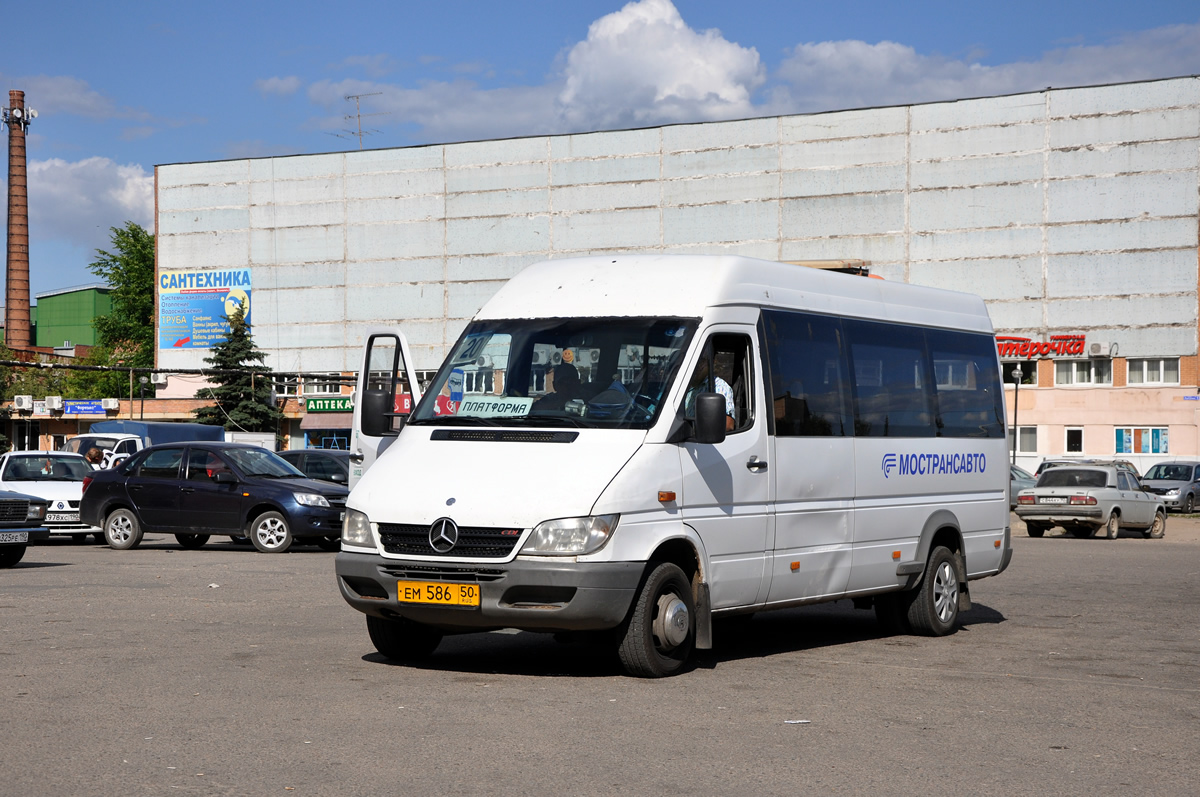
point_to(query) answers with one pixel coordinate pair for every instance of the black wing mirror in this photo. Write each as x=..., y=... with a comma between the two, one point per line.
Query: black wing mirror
x=710, y=418
x=225, y=477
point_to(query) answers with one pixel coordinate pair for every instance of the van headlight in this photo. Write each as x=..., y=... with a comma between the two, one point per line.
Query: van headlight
x=571, y=536
x=356, y=529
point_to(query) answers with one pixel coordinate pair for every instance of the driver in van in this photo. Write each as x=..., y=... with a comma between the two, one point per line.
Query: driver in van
x=566, y=386
x=699, y=384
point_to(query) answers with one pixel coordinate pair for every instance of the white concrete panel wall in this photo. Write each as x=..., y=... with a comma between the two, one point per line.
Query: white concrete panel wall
x=1068, y=210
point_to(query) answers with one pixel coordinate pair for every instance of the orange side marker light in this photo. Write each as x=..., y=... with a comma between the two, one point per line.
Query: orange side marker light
x=666, y=496
x=896, y=555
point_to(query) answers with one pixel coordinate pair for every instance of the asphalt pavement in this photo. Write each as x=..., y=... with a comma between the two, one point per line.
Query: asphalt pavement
x=225, y=671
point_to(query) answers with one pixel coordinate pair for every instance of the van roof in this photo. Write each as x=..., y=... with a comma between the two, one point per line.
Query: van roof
x=686, y=285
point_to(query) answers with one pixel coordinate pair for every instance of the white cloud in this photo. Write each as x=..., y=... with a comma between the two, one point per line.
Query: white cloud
x=51, y=94
x=282, y=86
x=846, y=74
x=643, y=65
x=79, y=201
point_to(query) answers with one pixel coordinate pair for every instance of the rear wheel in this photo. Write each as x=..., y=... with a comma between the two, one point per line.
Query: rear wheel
x=1034, y=530
x=192, y=541
x=1113, y=527
x=934, y=609
x=661, y=631
x=270, y=533
x=122, y=530
x=1158, y=527
x=11, y=554
x=402, y=640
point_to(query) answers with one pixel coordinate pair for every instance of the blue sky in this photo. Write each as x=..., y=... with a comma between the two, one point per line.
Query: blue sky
x=123, y=86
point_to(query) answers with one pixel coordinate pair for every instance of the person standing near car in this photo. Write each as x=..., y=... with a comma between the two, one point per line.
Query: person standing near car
x=95, y=458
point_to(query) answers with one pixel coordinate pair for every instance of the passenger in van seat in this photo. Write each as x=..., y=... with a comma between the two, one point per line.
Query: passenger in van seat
x=566, y=387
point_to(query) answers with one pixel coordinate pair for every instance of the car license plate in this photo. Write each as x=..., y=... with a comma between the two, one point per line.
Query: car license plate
x=1052, y=500
x=14, y=536
x=342, y=516
x=62, y=517
x=438, y=593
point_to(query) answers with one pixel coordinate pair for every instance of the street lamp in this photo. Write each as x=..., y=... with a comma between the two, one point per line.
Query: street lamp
x=142, y=380
x=1016, y=374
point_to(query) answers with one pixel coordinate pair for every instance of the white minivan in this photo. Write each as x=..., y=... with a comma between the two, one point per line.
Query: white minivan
x=638, y=445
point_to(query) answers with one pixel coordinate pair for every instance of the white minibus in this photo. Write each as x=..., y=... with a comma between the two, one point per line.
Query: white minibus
x=637, y=446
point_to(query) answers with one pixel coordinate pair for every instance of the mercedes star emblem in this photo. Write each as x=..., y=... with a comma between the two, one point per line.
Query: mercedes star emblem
x=443, y=535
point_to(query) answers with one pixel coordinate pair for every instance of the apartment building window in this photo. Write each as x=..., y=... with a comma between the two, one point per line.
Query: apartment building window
x=1154, y=371
x=1083, y=372
x=1074, y=441
x=1028, y=372
x=287, y=386
x=322, y=384
x=1026, y=439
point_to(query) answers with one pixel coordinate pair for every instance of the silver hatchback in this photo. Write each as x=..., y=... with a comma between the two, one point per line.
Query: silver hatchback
x=1086, y=498
x=1177, y=482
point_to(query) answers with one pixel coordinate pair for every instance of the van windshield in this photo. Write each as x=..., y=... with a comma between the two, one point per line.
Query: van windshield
x=570, y=372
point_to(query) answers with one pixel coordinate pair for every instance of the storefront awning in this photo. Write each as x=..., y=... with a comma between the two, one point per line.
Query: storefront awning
x=327, y=420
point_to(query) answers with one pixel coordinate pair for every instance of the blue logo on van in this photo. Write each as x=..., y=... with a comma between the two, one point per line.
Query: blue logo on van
x=933, y=464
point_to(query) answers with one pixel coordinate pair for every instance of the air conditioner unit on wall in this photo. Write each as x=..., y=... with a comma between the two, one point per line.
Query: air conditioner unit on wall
x=24, y=403
x=158, y=379
x=1098, y=350
x=110, y=404
x=54, y=402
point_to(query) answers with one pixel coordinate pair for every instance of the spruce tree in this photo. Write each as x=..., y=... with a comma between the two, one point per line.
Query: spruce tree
x=242, y=399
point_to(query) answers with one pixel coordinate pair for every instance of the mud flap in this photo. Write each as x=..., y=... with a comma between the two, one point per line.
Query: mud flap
x=964, y=592
x=703, y=618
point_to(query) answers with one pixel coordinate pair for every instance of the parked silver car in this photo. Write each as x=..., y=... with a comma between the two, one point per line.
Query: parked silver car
x=1018, y=479
x=1177, y=482
x=1086, y=498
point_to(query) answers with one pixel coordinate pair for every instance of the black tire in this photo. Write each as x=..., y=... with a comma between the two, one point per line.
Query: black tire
x=270, y=533
x=11, y=554
x=661, y=631
x=237, y=540
x=934, y=608
x=1189, y=504
x=329, y=543
x=1034, y=530
x=402, y=640
x=1112, y=529
x=122, y=531
x=1158, y=528
x=192, y=541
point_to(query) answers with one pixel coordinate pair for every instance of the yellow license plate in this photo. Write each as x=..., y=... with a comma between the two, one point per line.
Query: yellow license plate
x=437, y=592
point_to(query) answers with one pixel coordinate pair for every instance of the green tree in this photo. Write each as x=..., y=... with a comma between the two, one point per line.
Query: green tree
x=242, y=398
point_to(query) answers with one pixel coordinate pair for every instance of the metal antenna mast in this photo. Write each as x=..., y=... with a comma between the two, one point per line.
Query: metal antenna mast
x=358, y=117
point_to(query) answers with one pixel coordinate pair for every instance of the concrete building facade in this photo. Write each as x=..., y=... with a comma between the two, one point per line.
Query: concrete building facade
x=1075, y=213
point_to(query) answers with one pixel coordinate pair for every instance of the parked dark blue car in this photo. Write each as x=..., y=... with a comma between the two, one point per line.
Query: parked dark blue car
x=199, y=489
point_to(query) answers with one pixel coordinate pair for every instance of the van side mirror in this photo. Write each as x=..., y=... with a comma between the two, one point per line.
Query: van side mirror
x=710, y=418
x=375, y=409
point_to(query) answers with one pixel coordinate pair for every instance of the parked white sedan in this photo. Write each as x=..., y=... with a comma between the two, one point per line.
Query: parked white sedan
x=57, y=477
x=1086, y=498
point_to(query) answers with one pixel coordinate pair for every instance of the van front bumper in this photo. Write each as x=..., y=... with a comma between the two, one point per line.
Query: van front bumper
x=549, y=595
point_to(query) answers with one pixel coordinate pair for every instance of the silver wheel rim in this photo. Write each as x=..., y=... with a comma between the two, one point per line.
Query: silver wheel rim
x=120, y=529
x=271, y=532
x=672, y=622
x=945, y=592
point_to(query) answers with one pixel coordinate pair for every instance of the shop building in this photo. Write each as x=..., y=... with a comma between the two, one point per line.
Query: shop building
x=1073, y=212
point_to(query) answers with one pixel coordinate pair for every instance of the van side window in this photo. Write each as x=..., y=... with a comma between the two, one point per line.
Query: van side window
x=969, y=395
x=809, y=386
x=893, y=393
x=724, y=368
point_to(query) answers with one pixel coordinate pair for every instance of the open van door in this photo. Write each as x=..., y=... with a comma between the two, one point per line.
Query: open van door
x=387, y=392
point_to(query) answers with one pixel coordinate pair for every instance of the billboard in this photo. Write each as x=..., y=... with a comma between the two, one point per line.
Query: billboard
x=193, y=306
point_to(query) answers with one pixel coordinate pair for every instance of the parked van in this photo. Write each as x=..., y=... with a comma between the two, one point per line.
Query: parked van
x=638, y=445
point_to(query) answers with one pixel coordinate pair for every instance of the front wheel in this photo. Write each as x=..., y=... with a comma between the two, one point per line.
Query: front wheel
x=1034, y=530
x=122, y=530
x=270, y=533
x=1158, y=527
x=1113, y=527
x=934, y=609
x=192, y=541
x=1189, y=504
x=402, y=640
x=661, y=630
x=11, y=554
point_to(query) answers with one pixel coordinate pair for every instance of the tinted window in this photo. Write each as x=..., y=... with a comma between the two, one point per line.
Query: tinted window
x=893, y=393
x=809, y=385
x=1070, y=477
x=162, y=464
x=203, y=466
x=967, y=380
x=321, y=467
